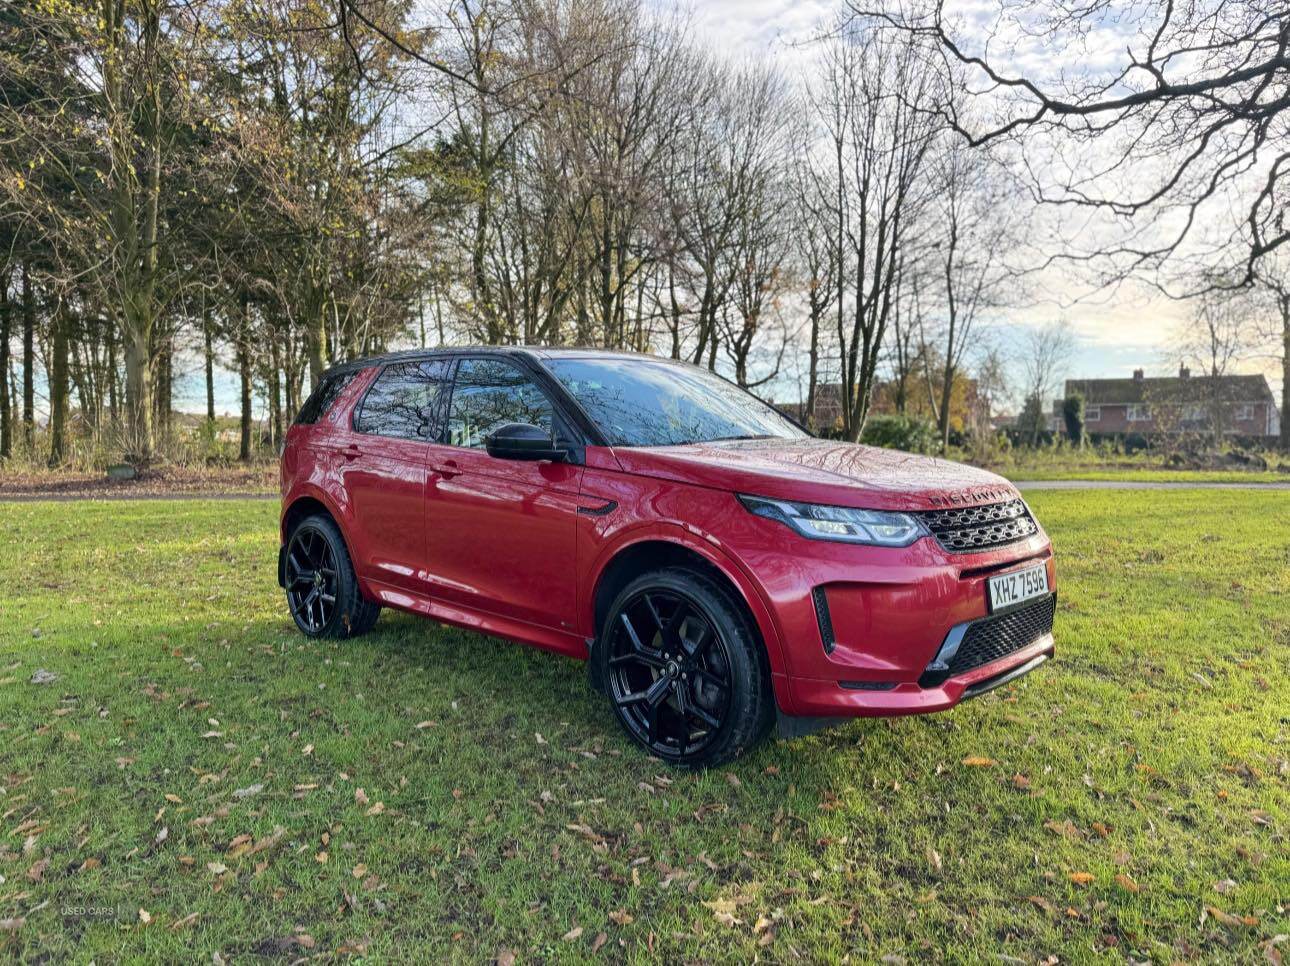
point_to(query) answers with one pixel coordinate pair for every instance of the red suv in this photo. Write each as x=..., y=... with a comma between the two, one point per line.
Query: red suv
x=720, y=568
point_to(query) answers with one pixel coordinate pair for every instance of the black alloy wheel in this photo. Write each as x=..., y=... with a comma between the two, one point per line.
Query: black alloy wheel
x=686, y=679
x=311, y=579
x=322, y=590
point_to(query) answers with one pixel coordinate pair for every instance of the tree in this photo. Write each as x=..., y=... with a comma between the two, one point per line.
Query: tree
x=873, y=109
x=980, y=216
x=1044, y=352
x=1073, y=416
x=1189, y=115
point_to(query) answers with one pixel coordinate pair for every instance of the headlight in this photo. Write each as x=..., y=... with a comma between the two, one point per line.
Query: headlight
x=839, y=523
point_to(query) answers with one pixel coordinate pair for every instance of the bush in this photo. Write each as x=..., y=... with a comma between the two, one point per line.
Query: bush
x=900, y=432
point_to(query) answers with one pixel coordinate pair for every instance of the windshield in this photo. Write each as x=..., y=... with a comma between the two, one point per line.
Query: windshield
x=638, y=402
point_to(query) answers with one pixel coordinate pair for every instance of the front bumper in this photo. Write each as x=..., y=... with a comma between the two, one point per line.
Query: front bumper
x=860, y=627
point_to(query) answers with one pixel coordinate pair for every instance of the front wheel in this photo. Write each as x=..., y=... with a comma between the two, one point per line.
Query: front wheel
x=322, y=590
x=684, y=670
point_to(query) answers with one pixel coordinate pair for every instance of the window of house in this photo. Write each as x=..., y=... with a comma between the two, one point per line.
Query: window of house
x=1245, y=412
x=1139, y=413
x=1093, y=414
x=1194, y=414
x=488, y=394
x=405, y=402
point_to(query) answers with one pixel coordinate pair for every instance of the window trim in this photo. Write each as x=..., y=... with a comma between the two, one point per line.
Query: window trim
x=1093, y=414
x=447, y=380
x=1137, y=413
x=1244, y=412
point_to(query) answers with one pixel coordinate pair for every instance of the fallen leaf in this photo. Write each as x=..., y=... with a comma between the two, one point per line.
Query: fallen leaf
x=360, y=796
x=621, y=917
x=1126, y=883
x=359, y=871
x=216, y=868
x=248, y=791
x=600, y=940
x=1081, y=878
x=171, y=797
x=977, y=761
x=376, y=809
x=145, y=917
x=37, y=871
x=573, y=934
x=188, y=920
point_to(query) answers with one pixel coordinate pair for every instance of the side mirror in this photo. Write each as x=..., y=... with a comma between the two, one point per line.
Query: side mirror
x=522, y=441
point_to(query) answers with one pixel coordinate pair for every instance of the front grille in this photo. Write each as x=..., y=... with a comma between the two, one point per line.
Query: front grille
x=973, y=528
x=991, y=638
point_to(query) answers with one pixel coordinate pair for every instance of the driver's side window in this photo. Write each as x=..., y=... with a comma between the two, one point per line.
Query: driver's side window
x=489, y=393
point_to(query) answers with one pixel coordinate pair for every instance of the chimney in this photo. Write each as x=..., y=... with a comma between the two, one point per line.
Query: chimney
x=1137, y=375
x=1184, y=372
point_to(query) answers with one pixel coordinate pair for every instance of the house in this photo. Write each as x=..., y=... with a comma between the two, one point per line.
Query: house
x=1244, y=405
x=967, y=408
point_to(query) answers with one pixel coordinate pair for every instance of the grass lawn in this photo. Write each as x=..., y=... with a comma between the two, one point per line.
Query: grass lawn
x=1146, y=475
x=200, y=779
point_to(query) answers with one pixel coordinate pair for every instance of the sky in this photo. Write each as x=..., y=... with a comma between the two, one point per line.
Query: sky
x=1116, y=331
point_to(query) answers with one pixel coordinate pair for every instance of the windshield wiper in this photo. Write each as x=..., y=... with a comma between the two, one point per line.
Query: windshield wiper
x=729, y=439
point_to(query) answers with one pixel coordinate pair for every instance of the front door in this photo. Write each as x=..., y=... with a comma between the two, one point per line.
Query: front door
x=383, y=465
x=500, y=534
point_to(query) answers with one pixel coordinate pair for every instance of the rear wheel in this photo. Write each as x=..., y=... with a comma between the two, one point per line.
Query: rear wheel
x=322, y=590
x=684, y=670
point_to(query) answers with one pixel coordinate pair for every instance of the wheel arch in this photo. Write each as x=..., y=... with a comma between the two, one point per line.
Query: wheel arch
x=655, y=551
x=304, y=504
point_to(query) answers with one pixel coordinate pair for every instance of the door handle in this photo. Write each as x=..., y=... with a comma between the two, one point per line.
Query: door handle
x=448, y=469
x=351, y=452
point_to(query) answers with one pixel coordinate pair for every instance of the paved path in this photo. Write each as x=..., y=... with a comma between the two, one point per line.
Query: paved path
x=1020, y=484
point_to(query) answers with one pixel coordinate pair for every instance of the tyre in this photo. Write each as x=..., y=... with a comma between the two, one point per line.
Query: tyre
x=684, y=670
x=322, y=591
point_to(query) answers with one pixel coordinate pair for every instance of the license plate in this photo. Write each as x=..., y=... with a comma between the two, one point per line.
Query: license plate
x=1008, y=590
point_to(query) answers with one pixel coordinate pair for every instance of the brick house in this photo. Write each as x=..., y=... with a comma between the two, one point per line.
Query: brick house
x=1176, y=404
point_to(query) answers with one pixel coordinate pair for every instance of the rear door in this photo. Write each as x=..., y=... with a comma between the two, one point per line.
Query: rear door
x=500, y=534
x=383, y=470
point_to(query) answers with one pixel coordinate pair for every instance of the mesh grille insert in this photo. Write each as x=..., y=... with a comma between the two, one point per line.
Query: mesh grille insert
x=973, y=528
x=995, y=637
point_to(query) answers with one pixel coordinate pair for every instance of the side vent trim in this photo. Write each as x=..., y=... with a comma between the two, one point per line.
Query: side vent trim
x=824, y=619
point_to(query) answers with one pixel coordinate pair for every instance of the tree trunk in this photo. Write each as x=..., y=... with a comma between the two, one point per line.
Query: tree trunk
x=1285, y=374
x=6, y=416
x=113, y=395
x=28, y=361
x=209, y=359
x=947, y=391
x=244, y=374
x=137, y=345
x=58, y=391
x=275, y=393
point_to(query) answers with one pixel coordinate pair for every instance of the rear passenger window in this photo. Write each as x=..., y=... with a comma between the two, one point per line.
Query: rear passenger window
x=405, y=401
x=320, y=400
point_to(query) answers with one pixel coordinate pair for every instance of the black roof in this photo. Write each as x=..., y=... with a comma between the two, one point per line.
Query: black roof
x=533, y=351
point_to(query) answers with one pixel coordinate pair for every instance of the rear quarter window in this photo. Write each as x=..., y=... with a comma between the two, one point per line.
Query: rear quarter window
x=321, y=399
